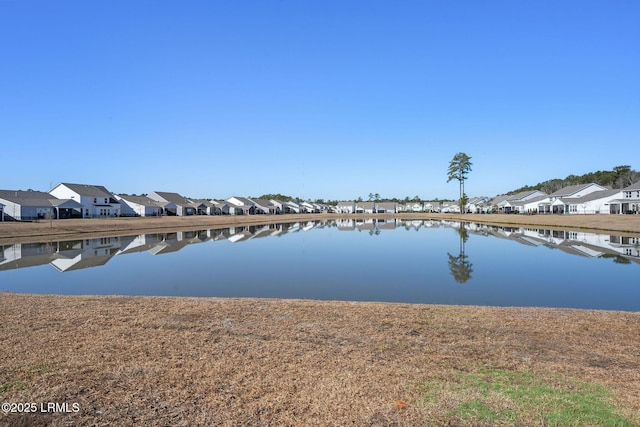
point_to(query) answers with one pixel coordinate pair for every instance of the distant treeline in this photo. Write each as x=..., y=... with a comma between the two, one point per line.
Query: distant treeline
x=619, y=177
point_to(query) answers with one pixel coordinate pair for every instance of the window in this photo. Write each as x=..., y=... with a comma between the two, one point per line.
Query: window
x=95, y=200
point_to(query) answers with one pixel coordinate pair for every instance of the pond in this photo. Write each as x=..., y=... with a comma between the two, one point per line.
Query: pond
x=430, y=262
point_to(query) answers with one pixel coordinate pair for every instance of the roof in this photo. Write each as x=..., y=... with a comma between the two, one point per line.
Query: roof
x=387, y=205
x=632, y=187
x=86, y=190
x=527, y=202
x=593, y=196
x=365, y=205
x=140, y=200
x=27, y=198
x=345, y=204
x=242, y=200
x=174, y=198
x=571, y=189
x=263, y=202
x=65, y=203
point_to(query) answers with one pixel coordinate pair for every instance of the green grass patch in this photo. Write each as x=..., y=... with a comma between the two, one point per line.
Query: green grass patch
x=497, y=396
x=13, y=384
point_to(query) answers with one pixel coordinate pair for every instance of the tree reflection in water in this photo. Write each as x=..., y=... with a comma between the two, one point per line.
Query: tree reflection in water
x=459, y=266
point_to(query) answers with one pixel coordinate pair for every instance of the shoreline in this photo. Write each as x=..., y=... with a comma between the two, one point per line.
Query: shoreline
x=197, y=361
x=43, y=231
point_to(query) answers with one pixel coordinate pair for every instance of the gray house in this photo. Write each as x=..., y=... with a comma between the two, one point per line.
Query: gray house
x=386, y=207
x=27, y=205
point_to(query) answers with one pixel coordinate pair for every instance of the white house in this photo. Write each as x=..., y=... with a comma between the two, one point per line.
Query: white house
x=598, y=202
x=433, y=206
x=173, y=203
x=139, y=206
x=95, y=200
x=554, y=203
x=365, y=207
x=515, y=202
x=345, y=207
x=278, y=205
x=292, y=207
x=308, y=207
x=629, y=202
x=477, y=204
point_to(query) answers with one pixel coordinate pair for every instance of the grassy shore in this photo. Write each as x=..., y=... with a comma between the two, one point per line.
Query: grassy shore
x=231, y=362
x=260, y=362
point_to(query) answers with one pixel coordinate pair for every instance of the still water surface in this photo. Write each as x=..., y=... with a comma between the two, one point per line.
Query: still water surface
x=428, y=262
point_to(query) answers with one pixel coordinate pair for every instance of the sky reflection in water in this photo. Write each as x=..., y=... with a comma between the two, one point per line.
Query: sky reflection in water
x=402, y=261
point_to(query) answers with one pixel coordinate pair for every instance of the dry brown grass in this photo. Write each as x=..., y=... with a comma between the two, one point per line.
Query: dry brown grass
x=229, y=362
x=12, y=232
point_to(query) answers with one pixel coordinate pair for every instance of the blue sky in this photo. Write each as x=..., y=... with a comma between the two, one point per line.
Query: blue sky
x=324, y=99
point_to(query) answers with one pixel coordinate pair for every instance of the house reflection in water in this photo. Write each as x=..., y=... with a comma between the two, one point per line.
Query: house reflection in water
x=72, y=255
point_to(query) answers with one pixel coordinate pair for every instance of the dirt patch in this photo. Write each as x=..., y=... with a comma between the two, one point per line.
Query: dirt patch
x=189, y=361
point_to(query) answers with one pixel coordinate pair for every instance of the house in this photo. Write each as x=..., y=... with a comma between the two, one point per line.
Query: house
x=415, y=207
x=309, y=207
x=1, y=212
x=27, y=205
x=629, y=202
x=95, y=200
x=477, y=204
x=173, y=203
x=514, y=203
x=240, y=206
x=345, y=207
x=139, y=206
x=278, y=205
x=291, y=207
x=365, y=207
x=449, y=207
x=264, y=206
x=387, y=207
x=529, y=206
x=433, y=206
x=554, y=203
x=218, y=207
x=597, y=202
x=203, y=207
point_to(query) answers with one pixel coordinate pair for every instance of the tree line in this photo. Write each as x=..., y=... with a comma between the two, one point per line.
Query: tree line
x=619, y=177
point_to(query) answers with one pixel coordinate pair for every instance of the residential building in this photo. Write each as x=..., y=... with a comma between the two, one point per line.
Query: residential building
x=386, y=207
x=554, y=203
x=95, y=200
x=139, y=206
x=629, y=202
x=173, y=203
x=264, y=206
x=240, y=206
x=365, y=207
x=345, y=207
x=26, y=205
